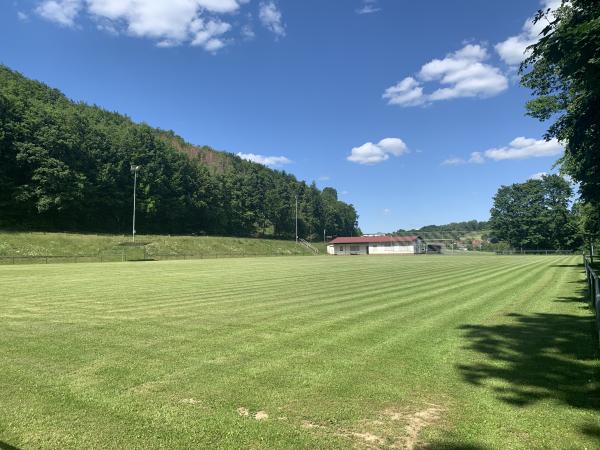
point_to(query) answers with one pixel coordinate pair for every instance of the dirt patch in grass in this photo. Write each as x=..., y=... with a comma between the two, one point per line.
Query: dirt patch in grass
x=258, y=415
x=393, y=428
x=369, y=438
x=261, y=415
x=417, y=422
x=190, y=401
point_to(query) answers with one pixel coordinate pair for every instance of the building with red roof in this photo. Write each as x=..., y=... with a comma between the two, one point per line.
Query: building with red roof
x=377, y=245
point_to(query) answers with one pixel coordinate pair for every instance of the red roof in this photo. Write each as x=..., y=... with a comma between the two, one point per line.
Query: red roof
x=372, y=239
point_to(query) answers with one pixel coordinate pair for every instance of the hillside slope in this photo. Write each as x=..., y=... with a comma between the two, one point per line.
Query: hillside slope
x=66, y=166
x=21, y=244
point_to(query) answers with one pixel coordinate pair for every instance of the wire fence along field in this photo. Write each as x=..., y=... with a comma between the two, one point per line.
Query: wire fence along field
x=515, y=251
x=593, y=290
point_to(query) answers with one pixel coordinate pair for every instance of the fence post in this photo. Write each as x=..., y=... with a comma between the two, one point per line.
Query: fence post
x=596, y=293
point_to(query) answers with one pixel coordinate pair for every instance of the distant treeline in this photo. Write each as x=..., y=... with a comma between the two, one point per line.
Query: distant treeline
x=66, y=166
x=453, y=227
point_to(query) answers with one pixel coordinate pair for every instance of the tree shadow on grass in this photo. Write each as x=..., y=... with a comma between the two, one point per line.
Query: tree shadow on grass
x=538, y=356
x=591, y=430
x=5, y=446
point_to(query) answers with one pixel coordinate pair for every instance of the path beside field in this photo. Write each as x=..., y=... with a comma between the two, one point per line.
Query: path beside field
x=371, y=352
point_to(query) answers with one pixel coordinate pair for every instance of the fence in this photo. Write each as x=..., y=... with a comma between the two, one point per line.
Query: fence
x=516, y=251
x=593, y=290
x=132, y=256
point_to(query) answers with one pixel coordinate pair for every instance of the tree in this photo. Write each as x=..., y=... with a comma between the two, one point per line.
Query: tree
x=562, y=71
x=535, y=214
x=66, y=166
x=586, y=223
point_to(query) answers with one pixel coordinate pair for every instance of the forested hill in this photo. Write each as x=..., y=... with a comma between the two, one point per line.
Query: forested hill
x=66, y=166
x=467, y=227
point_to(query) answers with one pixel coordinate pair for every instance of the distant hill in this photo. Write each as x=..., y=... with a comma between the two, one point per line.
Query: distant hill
x=66, y=166
x=467, y=229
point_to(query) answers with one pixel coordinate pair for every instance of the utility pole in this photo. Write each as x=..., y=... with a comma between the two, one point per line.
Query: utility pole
x=135, y=170
x=324, y=240
x=296, y=218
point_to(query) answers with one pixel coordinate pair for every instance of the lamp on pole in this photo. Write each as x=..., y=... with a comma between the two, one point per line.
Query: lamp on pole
x=296, y=218
x=135, y=170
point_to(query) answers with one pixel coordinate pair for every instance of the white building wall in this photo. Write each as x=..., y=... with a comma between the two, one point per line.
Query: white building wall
x=380, y=248
x=347, y=249
x=394, y=249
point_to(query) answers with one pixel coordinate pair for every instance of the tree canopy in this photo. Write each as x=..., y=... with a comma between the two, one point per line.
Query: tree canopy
x=563, y=72
x=535, y=215
x=66, y=166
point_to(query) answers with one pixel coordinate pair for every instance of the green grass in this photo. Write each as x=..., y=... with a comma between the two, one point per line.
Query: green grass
x=71, y=244
x=339, y=352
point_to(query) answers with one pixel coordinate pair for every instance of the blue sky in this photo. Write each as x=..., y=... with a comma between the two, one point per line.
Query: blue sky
x=411, y=110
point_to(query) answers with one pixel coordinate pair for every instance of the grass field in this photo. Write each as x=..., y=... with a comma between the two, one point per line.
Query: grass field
x=328, y=352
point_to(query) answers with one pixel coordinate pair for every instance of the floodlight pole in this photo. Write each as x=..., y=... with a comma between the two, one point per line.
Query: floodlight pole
x=134, y=169
x=296, y=218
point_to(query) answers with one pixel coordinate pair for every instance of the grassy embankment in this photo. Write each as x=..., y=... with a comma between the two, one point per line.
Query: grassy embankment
x=159, y=247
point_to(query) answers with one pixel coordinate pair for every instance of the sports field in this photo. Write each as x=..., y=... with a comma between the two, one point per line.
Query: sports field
x=327, y=352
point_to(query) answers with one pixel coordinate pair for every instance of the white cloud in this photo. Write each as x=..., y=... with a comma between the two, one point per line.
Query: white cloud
x=265, y=160
x=538, y=176
x=519, y=148
x=460, y=74
x=169, y=23
x=271, y=17
x=368, y=7
x=454, y=162
x=522, y=148
x=407, y=92
x=386, y=211
x=22, y=16
x=247, y=32
x=324, y=178
x=370, y=153
x=207, y=34
x=62, y=12
x=475, y=158
x=514, y=49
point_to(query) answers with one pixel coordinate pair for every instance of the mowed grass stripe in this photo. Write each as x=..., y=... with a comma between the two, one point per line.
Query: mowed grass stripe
x=344, y=302
x=183, y=297
x=342, y=319
x=308, y=331
x=382, y=320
